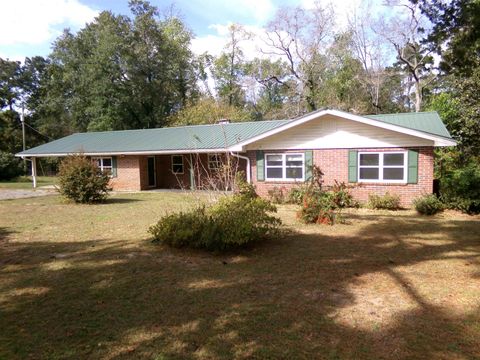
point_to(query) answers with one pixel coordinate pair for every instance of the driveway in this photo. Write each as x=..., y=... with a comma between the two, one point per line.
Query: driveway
x=8, y=194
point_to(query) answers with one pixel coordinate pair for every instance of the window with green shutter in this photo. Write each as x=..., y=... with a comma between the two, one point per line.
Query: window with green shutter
x=352, y=166
x=260, y=166
x=412, y=166
x=308, y=164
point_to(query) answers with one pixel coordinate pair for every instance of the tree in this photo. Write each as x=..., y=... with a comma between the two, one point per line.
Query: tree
x=404, y=32
x=455, y=34
x=300, y=37
x=228, y=68
x=208, y=111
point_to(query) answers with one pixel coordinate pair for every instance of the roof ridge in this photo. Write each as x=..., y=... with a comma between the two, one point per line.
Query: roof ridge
x=179, y=127
x=403, y=114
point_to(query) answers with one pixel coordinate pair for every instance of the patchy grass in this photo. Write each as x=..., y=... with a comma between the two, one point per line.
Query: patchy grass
x=25, y=182
x=83, y=281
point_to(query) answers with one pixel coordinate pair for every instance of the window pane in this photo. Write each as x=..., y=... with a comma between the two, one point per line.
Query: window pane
x=177, y=168
x=369, y=159
x=392, y=159
x=274, y=160
x=393, y=174
x=294, y=173
x=294, y=160
x=177, y=160
x=369, y=173
x=107, y=162
x=274, y=173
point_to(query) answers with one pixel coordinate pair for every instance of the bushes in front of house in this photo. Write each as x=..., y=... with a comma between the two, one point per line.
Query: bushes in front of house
x=384, y=202
x=319, y=205
x=10, y=166
x=428, y=205
x=82, y=181
x=234, y=221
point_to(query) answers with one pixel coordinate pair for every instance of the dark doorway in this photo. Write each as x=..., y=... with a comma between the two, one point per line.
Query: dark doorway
x=152, y=176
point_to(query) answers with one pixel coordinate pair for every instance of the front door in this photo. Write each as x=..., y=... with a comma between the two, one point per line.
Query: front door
x=152, y=176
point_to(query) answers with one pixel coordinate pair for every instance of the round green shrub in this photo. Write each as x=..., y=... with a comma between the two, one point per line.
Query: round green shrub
x=82, y=181
x=385, y=202
x=428, y=205
x=10, y=166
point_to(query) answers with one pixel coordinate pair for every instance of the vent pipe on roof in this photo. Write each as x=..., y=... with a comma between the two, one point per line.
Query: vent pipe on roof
x=223, y=121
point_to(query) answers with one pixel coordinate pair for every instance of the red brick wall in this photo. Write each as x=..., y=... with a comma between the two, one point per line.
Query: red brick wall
x=128, y=174
x=334, y=164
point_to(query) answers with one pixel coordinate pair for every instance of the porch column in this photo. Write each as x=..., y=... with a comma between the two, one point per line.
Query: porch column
x=192, y=174
x=34, y=171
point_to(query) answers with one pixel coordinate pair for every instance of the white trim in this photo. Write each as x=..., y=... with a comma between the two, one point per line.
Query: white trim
x=154, y=172
x=172, y=163
x=103, y=167
x=438, y=140
x=218, y=161
x=380, y=167
x=284, y=167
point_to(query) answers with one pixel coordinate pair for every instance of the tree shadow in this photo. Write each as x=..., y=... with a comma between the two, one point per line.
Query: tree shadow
x=359, y=294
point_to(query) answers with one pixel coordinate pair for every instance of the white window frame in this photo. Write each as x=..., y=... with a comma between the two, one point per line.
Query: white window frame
x=214, y=164
x=284, y=167
x=103, y=167
x=176, y=163
x=381, y=167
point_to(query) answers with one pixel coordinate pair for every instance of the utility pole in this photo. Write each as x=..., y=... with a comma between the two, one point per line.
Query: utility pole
x=22, y=120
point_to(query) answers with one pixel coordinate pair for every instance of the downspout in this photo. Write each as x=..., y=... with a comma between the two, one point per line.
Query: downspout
x=248, y=164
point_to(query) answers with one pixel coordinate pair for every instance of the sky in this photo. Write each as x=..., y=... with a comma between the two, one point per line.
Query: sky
x=28, y=27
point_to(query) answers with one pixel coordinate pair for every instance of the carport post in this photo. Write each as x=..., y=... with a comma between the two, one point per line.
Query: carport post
x=34, y=172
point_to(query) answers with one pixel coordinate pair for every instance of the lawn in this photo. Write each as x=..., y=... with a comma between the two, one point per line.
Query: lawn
x=25, y=182
x=79, y=281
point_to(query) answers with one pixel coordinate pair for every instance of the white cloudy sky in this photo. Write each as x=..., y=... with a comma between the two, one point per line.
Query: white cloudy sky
x=28, y=27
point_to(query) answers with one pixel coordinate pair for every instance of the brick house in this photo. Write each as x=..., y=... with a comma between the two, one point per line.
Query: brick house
x=377, y=153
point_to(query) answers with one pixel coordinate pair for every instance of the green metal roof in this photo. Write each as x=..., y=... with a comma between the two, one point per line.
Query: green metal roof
x=203, y=137
x=184, y=138
x=428, y=122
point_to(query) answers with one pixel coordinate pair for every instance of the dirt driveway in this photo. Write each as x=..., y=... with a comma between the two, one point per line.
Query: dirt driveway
x=8, y=194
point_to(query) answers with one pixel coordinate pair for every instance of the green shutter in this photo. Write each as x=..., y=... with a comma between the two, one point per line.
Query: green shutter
x=260, y=166
x=308, y=164
x=352, y=166
x=412, y=167
x=114, y=166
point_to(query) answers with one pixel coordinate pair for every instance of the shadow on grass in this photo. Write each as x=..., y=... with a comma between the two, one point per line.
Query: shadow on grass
x=282, y=299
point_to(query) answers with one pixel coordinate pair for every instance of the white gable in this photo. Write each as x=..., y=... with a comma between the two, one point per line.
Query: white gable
x=330, y=131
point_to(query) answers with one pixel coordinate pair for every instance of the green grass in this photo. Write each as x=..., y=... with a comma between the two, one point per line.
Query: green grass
x=84, y=281
x=25, y=182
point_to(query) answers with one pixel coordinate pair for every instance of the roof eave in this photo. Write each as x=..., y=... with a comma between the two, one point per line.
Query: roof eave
x=119, y=153
x=438, y=140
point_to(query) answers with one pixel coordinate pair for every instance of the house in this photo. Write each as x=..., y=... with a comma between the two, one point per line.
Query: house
x=379, y=153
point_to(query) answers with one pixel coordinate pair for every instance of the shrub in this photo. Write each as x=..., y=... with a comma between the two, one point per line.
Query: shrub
x=342, y=197
x=233, y=222
x=428, y=204
x=460, y=189
x=10, y=166
x=82, y=181
x=387, y=201
x=319, y=208
x=276, y=195
x=296, y=194
x=242, y=187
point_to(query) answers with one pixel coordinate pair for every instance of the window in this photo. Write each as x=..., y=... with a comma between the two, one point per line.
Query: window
x=177, y=164
x=104, y=164
x=214, y=161
x=382, y=167
x=287, y=167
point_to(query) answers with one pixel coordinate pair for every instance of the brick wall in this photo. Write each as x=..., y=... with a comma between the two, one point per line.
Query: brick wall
x=334, y=164
x=128, y=174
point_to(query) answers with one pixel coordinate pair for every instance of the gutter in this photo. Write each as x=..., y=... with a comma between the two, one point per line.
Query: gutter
x=248, y=164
